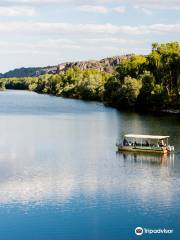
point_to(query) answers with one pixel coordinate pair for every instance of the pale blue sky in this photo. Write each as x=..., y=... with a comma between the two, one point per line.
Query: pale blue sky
x=48, y=32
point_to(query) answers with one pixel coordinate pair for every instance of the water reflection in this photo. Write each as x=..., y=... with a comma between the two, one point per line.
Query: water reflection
x=60, y=155
x=60, y=179
x=145, y=158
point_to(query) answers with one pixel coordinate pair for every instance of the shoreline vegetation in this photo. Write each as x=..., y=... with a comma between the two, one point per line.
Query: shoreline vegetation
x=142, y=83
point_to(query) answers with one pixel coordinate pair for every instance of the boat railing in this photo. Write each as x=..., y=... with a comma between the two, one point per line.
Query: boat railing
x=119, y=142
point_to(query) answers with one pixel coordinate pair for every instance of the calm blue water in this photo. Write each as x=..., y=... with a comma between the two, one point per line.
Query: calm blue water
x=61, y=178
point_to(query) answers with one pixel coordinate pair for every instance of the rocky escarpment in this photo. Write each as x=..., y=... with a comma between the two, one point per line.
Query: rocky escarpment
x=105, y=65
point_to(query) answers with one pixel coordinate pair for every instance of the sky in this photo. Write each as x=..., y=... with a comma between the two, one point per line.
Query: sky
x=49, y=32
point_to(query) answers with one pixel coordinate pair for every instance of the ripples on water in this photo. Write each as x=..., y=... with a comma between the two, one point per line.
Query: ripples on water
x=61, y=178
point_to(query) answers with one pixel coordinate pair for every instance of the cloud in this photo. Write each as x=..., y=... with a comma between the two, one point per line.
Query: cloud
x=17, y=11
x=57, y=46
x=62, y=28
x=50, y=45
x=158, y=4
x=101, y=9
x=93, y=9
x=31, y=2
x=147, y=11
x=144, y=10
x=119, y=9
x=113, y=40
x=56, y=28
x=152, y=4
x=54, y=2
x=61, y=43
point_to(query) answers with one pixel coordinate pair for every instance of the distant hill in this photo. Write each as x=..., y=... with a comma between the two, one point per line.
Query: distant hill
x=29, y=72
x=105, y=65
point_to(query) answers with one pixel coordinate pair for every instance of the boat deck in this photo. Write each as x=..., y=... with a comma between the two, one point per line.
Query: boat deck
x=160, y=150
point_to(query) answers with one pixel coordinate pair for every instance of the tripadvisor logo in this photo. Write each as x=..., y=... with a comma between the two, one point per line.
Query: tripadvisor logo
x=139, y=231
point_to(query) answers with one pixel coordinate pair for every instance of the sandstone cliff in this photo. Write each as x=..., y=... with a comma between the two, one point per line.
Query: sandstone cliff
x=107, y=65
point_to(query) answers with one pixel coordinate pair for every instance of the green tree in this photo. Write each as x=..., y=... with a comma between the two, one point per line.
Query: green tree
x=164, y=63
x=145, y=95
x=122, y=95
x=91, y=85
x=111, y=91
x=129, y=91
x=2, y=85
x=133, y=67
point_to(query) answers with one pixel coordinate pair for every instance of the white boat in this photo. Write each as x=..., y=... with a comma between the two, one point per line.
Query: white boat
x=145, y=143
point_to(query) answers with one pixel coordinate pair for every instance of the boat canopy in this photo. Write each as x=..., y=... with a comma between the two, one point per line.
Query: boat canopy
x=146, y=136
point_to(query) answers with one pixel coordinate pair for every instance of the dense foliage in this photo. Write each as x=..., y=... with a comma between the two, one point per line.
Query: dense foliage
x=143, y=82
x=83, y=84
x=154, y=80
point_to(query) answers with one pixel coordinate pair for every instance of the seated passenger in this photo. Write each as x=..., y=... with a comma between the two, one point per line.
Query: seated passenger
x=161, y=143
x=125, y=142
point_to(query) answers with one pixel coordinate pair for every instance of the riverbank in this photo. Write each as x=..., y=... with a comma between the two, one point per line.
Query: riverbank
x=157, y=112
x=138, y=83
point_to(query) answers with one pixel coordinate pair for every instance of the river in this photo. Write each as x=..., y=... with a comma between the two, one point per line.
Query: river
x=61, y=178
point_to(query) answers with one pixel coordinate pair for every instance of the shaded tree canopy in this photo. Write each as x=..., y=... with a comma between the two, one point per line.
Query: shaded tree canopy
x=143, y=82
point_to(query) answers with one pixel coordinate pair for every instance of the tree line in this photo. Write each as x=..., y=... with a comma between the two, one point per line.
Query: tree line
x=149, y=82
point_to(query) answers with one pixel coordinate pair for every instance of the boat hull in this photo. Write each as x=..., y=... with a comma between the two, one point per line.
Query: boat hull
x=160, y=150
